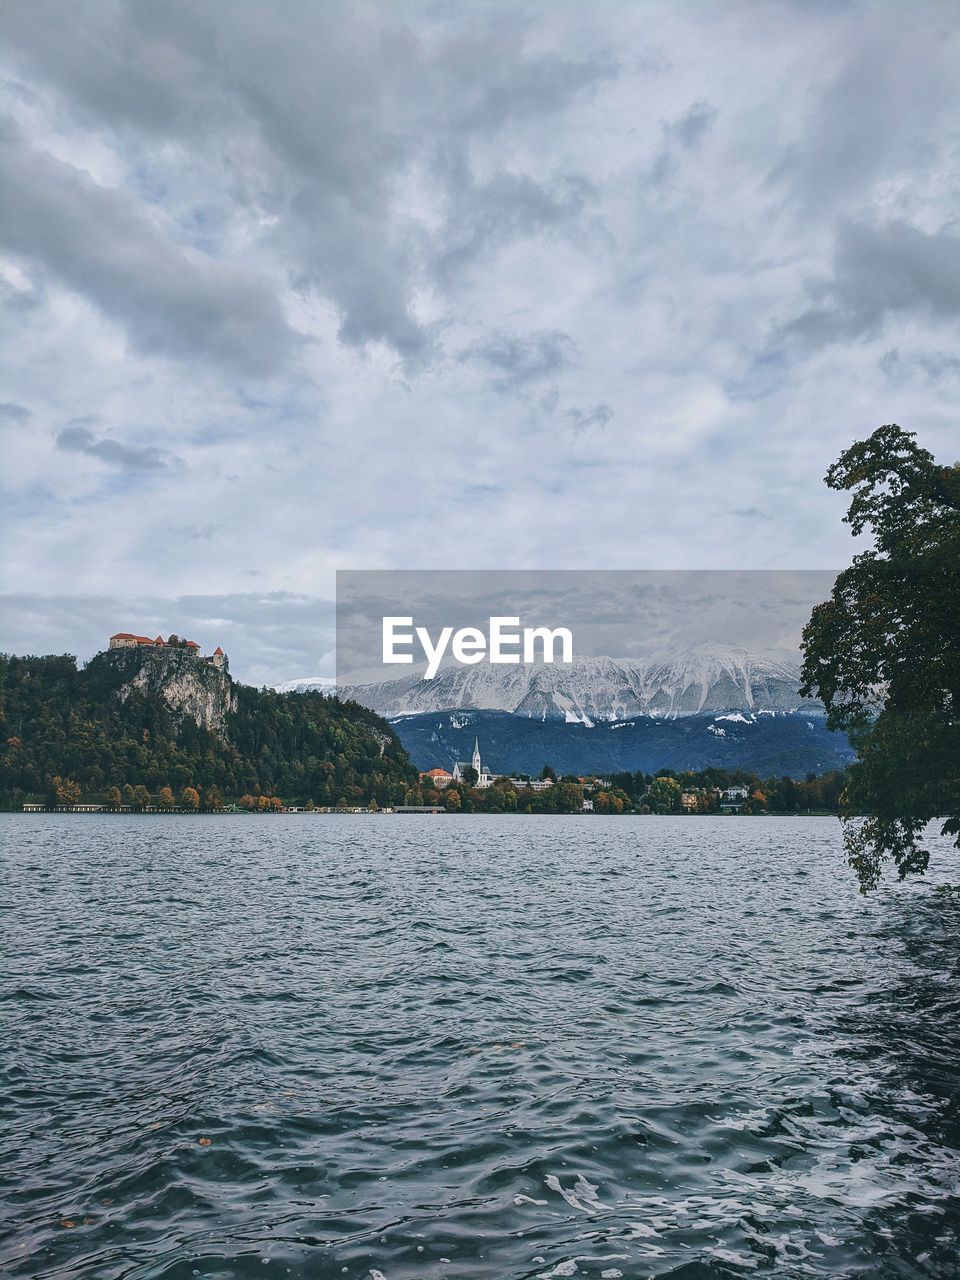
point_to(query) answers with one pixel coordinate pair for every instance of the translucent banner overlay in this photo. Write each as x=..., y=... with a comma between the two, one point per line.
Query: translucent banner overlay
x=663, y=669
x=425, y=625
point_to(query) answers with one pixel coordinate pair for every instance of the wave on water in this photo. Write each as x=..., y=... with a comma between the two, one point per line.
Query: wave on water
x=474, y=1049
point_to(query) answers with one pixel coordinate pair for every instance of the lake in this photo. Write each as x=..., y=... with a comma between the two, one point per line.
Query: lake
x=399, y=1047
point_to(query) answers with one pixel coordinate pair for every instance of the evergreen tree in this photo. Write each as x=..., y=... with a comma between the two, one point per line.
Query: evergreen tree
x=883, y=653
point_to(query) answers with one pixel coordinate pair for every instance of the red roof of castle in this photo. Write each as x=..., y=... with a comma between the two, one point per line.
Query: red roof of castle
x=437, y=773
x=218, y=650
x=128, y=635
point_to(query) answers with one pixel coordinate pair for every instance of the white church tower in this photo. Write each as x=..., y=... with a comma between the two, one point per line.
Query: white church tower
x=484, y=777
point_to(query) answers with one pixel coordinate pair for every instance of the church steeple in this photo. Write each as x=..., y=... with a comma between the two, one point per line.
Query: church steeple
x=476, y=755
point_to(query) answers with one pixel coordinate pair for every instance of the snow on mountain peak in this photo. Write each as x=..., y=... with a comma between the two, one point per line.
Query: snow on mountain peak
x=308, y=684
x=707, y=678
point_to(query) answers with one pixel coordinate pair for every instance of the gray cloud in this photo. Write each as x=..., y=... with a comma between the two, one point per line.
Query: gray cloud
x=196, y=533
x=508, y=91
x=879, y=271
x=516, y=362
x=17, y=413
x=171, y=301
x=932, y=365
x=684, y=134
x=509, y=206
x=751, y=513
x=876, y=111
x=322, y=115
x=127, y=457
x=689, y=129
x=583, y=421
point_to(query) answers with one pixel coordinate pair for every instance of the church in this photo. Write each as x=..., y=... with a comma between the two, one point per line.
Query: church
x=484, y=777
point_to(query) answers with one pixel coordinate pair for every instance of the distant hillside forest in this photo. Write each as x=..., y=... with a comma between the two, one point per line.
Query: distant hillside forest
x=67, y=735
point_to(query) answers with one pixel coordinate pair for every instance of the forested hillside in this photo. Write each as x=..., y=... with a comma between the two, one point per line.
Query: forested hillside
x=88, y=730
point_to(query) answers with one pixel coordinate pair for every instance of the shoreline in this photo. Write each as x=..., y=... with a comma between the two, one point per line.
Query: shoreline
x=409, y=812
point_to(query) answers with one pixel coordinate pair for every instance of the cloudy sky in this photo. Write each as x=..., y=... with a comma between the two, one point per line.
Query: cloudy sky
x=295, y=287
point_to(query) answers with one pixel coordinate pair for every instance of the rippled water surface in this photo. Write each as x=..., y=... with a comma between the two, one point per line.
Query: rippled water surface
x=403, y=1047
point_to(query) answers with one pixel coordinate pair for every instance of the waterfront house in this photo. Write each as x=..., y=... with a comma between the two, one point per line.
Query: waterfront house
x=438, y=778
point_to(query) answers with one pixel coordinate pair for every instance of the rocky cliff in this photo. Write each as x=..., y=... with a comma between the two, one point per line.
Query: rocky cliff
x=188, y=685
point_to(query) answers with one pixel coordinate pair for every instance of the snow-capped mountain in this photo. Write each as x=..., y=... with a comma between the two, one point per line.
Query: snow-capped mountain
x=308, y=684
x=708, y=678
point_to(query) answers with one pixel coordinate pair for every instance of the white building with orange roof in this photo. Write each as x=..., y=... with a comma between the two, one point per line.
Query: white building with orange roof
x=437, y=778
x=127, y=640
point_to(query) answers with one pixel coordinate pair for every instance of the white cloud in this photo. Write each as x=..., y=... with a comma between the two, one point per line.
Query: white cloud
x=319, y=286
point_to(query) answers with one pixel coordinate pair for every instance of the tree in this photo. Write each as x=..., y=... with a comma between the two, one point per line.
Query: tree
x=663, y=795
x=470, y=776
x=569, y=797
x=607, y=802
x=114, y=798
x=140, y=798
x=213, y=799
x=190, y=799
x=165, y=799
x=883, y=653
x=66, y=791
x=501, y=797
x=545, y=800
x=758, y=802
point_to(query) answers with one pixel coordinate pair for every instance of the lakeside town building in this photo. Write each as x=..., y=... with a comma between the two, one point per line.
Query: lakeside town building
x=438, y=778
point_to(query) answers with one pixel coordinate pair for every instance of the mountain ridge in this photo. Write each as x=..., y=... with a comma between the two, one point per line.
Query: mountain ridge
x=768, y=743
x=706, y=678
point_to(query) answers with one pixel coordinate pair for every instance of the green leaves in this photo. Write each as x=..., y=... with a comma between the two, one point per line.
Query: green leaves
x=883, y=653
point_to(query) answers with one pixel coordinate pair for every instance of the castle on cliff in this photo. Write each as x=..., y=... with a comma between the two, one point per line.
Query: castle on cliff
x=127, y=640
